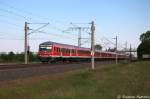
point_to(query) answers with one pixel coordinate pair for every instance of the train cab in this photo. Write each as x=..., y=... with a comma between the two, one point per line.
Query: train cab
x=45, y=51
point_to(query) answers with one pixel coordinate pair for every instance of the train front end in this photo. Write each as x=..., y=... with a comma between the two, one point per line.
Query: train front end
x=45, y=52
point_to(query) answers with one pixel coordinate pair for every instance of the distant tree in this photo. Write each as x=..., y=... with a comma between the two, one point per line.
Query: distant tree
x=98, y=47
x=111, y=49
x=11, y=56
x=144, y=47
x=145, y=36
x=3, y=57
x=20, y=57
x=31, y=56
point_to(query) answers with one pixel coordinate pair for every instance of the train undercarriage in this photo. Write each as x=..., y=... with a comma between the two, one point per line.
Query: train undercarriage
x=75, y=59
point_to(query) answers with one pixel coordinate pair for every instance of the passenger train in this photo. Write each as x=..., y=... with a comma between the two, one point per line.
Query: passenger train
x=54, y=52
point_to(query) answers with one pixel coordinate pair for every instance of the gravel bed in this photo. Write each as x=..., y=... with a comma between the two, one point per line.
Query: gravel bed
x=11, y=74
x=21, y=73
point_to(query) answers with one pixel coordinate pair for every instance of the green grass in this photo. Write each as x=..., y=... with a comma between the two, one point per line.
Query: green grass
x=106, y=82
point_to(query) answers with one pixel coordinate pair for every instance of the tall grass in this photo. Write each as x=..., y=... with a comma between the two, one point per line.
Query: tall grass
x=106, y=82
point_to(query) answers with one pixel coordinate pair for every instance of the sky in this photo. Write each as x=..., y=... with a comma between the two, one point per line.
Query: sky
x=127, y=19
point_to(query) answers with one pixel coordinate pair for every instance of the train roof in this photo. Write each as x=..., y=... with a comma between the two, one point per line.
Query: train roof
x=52, y=43
x=63, y=45
x=47, y=43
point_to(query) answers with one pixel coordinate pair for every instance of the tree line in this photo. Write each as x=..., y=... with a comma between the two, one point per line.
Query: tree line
x=12, y=57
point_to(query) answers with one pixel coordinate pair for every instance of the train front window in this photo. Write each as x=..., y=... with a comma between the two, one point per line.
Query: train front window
x=45, y=48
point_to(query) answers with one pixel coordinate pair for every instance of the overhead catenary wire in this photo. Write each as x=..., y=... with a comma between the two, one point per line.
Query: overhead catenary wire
x=23, y=16
x=11, y=24
x=12, y=7
x=105, y=42
x=30, y=23
x=30, y=13
x=45, y=24
x=13, y=13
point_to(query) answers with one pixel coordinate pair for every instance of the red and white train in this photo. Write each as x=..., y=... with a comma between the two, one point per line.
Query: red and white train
x=51, y=51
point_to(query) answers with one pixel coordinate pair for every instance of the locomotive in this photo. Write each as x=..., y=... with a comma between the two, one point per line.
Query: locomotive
x=51, y=51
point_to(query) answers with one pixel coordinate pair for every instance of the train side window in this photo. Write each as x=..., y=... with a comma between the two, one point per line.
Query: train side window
x=63, y=50
x=69, y=51
x=66, y=51
x=79, y=52
x=73, y=51
x=58, y=50
x=55, y=49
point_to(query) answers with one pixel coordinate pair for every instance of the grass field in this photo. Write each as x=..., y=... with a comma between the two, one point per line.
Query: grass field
x=106, y=82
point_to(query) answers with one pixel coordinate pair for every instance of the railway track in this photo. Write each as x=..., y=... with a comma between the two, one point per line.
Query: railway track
x=13, y=72
x=21, y=71
x=17, y=66
x=13, y=66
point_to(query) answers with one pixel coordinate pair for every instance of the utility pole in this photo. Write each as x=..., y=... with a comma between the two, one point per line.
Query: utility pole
x=92, y=44
x=126, y=49
x=130, y=52
x=79, y=33
x=25, y=43
x=116, y=49
x=79, y=37
x=126, y=45
x=79, y=29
